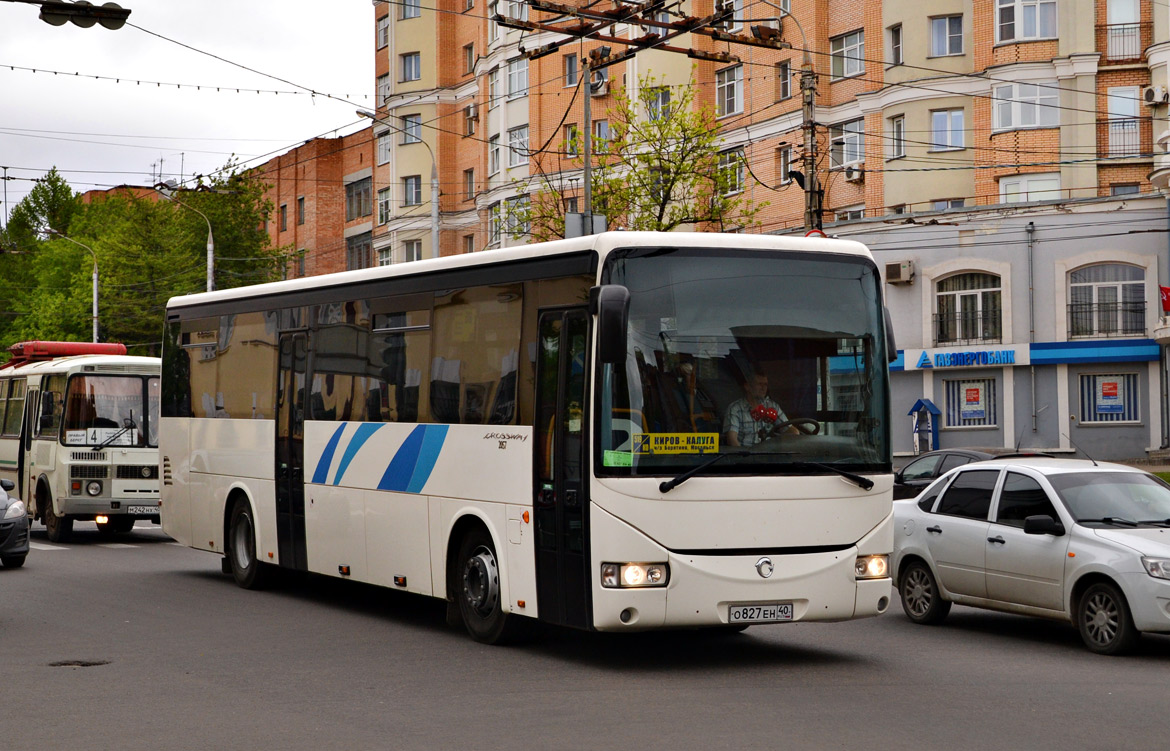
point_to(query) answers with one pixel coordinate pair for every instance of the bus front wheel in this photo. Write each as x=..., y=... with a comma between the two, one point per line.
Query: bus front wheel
x=478, y=593
x=246, y=568
x=58, y=528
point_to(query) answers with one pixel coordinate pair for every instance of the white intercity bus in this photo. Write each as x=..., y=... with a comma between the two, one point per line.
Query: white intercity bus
x=79, y=434
x=543, y=432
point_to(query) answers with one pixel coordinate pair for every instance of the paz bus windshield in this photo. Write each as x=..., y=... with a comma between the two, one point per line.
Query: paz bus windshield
x=120, y=409
x=776, y=356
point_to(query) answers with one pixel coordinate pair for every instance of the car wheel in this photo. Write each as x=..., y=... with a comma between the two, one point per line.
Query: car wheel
x=58, y=528
x=921, y=598
x=478, y=591
x=246, y=568
x=12, y=561
x=1104, y=620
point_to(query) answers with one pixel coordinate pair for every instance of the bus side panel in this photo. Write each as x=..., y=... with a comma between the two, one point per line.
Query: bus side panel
x=335, y=522
x=398, y=540
x=229, y=455
x=174, y=448
x=9, y=459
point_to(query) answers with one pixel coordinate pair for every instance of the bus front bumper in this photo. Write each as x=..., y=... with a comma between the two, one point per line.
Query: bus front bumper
x=88, y=508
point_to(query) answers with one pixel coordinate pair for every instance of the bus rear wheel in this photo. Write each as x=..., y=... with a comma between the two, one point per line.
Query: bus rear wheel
x=478, y=591
x=58, y=528
x=246, y=568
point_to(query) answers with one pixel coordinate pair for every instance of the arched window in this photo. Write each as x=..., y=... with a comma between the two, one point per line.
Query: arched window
x=1107, y=299
x=970, y=309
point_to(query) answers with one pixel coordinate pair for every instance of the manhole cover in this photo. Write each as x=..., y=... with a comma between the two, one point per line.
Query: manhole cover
x=78, y=663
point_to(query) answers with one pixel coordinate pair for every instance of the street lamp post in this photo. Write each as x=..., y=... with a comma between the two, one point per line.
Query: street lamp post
x=63, y=236
x=167, y=192
x=434, y=181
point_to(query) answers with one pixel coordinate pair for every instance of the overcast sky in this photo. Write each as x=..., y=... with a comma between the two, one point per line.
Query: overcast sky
x=100, y=133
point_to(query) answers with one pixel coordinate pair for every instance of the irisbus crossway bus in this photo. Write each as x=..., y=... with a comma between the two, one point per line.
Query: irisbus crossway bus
x=79, y=434
x=542, y=433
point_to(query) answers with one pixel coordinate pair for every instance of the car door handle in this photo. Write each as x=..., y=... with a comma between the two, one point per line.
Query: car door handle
x=996, y=539
x=936, y=530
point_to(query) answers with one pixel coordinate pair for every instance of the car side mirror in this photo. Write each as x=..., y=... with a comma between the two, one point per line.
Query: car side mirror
x=1043, y=524
x=8, y=485
x=898, y=478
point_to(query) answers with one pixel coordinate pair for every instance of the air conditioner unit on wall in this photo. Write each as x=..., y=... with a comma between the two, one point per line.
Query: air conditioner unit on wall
x=599, y=88
x=901, y=272
x=472, y=111
x=1152, y=96
x=855, y=174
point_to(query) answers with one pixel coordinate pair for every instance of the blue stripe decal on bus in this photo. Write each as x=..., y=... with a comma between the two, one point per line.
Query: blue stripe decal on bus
x=364, y=431
x=414, y=461
x=433, y=439
x=321, y=473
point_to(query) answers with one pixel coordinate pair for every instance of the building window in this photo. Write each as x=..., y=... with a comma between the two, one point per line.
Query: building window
x=383, y=90
x=731, y=168
x=412, y=251
x=517, y=78
x=946, y=130
x=469, y=243
x=971, y=403
x=516, y=219
x=571, y=205
x=1025, y=19
x=1110, y=398
x=729, y=91
x=848, y=54
x=1124, y=189
x=493, y=155
x=384, y=257
x=411, y=128
x=383, y=205
x=470, y=116
x=783, y=80
x=518, y=9
x=735, y=23
x=1026, y=105
x=572, y=140
x=468, y=4
x=899, y=209
x=493, y=27
x=1124, y=30
x=412, y=190
x=784, y=164
x=384, y=148
x=946, y=36
x=301, y=210
x=518, y=146
x=493, y=87
x=1123, y=120
x=469, y=58
x=897, y=137
x=383, y=32
x=658, y=103
x=495, y=224
x=283, y=217
x=895, y=34
x=970, y=309
x=358, y=199
x=357, y=251
x=1033, y=187
x=848, y=143
x=600, y=136
x=570, y=65
x=942, y=204
x=301, y=261
x=1107, y=299
x=411, y=8
x=849, y=213
x=411, y=66
x=469, y=184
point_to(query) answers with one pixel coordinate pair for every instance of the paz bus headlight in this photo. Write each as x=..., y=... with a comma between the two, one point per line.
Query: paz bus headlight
x=872, y=567
x=627, y=575
x=93, y=488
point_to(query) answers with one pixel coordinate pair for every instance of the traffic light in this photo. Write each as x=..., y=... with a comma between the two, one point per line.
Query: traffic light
x=83, y=13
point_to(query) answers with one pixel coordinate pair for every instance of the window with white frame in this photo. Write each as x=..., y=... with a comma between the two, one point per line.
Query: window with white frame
x=570, y=66
x=411, y=8
x=385, y=256
x=970, y=309
x=572, y=140
x=518, y=146
x=516, y=216
x=383, y=90
x=411, y=128
x=1124, y=134
x=517, y=78
x=895, y=44
x=1124, y=189
x=411, y=66
x=736, y=22
x=970, y=403
x=383, y=32
x=493, y=155
x=600, y=136
x=384, y=148
x=847, y=54
x=942, y=204
x=470, y=116
x=847, y=144
x=518, y=9
x=571, y=205
x=412, y=250
x=1043, y=186
x=1110, y=398
x=358, y=199
x=469, y=243
x=493, y=87
x=469, y=184
x=1107, y=299
x=897, y=137
x=495, y=224
x=729, y=91
x=1026, y=105
x=783, y=80
x=849, y=213
x=658, y=103
x=1024, y=19
x=469, y=57
x=946, y=36
x=946, y=130
x=493, y=27
x=384, y=206
x=731, y=171
x=412, y=190
x=784, y=164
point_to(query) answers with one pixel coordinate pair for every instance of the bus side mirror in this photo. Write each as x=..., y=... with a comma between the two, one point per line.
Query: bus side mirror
x=891, y=346
x=611, y=304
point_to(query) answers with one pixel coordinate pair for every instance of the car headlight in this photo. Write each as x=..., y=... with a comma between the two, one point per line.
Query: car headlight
x=1157, y=567
x=872, y=567
x=15, y=510
x=628, y=575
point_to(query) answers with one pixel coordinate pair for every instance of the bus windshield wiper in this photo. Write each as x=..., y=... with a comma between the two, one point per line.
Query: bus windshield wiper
x=862, y=482
x=130, y=425
x=1116, y=521
x=668, y=485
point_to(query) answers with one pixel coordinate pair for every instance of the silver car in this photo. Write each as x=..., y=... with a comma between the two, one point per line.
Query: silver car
x=1069, y=539
x=13, y=527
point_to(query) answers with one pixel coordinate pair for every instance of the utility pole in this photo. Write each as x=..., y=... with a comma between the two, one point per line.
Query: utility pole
x=812, y=184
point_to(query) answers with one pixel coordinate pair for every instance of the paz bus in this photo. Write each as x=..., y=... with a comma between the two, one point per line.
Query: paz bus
x=79, y=434
x=538, y=433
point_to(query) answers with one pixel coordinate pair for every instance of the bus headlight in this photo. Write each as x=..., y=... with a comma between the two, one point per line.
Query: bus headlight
x=872, y=567
x=629, y=575
x=93, y=487
x=15, y=510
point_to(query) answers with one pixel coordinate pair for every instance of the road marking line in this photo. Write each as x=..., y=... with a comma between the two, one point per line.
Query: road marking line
x=115, y=545
x=42, y=546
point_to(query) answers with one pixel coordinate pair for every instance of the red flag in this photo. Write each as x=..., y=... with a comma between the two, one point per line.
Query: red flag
x=1165, y=299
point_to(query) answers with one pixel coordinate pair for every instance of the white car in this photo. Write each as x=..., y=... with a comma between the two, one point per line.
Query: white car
x=1070, y=539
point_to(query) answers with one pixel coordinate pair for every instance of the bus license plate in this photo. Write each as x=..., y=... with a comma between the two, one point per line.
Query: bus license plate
x=142, y=509
x=770, y=612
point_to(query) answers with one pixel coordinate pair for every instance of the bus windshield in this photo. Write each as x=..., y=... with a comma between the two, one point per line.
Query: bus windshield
x=119, y=409
x=777, y=357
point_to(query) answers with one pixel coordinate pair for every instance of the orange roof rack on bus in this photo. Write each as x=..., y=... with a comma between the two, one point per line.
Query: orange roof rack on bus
x=26, y=352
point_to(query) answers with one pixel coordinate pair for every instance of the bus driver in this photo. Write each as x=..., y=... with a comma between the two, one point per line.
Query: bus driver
x=749, y=420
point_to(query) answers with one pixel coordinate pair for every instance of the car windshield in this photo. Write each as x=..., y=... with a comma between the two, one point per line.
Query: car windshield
x=736, y=351
x=1132, y=496
x=99, y=407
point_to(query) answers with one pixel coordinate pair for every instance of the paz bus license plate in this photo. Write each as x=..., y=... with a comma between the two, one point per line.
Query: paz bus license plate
x=142, y=509
x=770, y=612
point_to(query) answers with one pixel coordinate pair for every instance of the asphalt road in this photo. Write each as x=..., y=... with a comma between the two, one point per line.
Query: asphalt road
x=143, y=644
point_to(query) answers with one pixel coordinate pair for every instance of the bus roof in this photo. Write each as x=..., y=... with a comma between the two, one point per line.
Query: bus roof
x=602, y=243
x=101, y=363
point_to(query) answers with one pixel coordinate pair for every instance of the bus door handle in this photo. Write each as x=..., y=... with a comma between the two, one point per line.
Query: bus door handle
x=571, y=498
x=546, y=497
x=936, y=530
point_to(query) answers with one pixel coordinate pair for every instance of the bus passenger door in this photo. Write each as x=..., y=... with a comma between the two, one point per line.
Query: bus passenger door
x=27, y=487
x=561, y=490
x=290, y=451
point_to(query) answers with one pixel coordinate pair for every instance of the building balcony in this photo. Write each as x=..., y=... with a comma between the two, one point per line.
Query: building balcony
x=1124, y=42
x=1105, y=320
x=1121, y=137
x=1160, y=177
x=953, y=329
